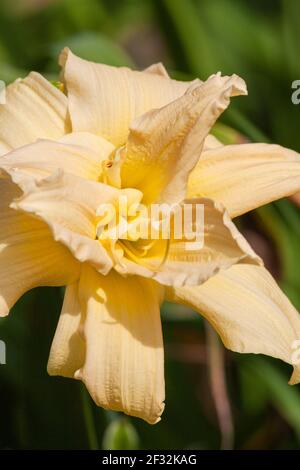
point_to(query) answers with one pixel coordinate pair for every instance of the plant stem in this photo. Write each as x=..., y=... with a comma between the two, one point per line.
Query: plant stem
x=89, y=419
x=216, y=368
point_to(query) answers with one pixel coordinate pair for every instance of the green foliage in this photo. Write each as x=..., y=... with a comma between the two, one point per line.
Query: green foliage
x=120, y=434
x=285, y=399
x=93, y=46
x=257, y=40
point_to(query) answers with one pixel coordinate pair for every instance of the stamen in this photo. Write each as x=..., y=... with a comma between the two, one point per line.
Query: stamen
x=112, y=168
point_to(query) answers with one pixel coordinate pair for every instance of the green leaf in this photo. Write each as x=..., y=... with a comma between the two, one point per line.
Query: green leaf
x=95, y=47
x=192, y=35
x=9, y=73
x=285, y=239
x=284, y=397
x=120, y=435
x=291, y=34
x=252, y=403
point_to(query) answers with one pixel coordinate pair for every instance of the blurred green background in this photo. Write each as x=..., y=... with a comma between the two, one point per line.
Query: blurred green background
x=215, y=398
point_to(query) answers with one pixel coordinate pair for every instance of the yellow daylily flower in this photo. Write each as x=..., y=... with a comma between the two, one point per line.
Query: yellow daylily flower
x=117, y=132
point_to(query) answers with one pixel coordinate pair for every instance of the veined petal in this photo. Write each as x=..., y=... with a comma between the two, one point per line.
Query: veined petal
x=183, y=263
x=68, y=348
x=124, y=364
x=68, y=204
x=29, y=257
x=165, y=144
x=34, y=109
x=79, y=154
x=246, y=176
x=248, y=310
x=121, y=95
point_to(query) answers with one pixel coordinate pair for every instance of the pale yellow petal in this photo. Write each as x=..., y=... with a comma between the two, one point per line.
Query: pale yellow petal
x=182, y=262
x=248, y=310
x=246, y=176
x=157, y=69
x=68, y=204
x=68, y=348
x=124, y=365
x=165, y=144
x=80, y=154
x=104, y=100
x=29, y=257
x=34, y=109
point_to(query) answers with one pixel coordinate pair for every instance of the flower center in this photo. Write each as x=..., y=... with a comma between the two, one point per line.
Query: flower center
x=126, y=230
